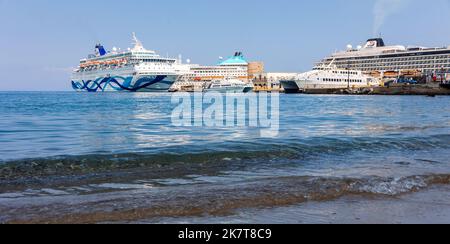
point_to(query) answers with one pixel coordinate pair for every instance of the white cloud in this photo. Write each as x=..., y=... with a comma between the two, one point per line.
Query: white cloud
x=385, y=8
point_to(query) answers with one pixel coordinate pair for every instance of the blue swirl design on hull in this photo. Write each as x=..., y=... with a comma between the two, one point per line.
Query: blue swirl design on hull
x=118, y=83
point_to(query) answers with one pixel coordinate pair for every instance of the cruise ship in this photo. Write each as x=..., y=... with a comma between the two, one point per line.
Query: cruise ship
x=235, y=67
x=376, y=57
x=329, y=77
x=135, y=70
x=195, y=77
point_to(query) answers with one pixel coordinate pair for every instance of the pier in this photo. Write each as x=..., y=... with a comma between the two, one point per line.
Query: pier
x=396, y=89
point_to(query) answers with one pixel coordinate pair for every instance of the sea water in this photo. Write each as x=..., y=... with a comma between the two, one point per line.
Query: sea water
x=100, y=155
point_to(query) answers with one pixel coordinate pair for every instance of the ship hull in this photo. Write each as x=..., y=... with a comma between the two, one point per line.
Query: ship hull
x=312, y=84
x=157, y=83
x=236, y=89
x=290, y=86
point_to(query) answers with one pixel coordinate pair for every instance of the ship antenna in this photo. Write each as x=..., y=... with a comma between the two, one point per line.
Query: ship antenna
x=135, y=38
x=137, y=44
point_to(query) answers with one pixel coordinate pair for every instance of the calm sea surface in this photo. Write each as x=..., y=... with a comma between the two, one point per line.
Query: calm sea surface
x=115, y=152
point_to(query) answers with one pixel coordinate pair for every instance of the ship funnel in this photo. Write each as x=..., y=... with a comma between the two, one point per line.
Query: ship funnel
x=375, y=42
x=100, y=50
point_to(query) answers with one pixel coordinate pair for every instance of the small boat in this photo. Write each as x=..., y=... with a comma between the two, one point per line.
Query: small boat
x=229, y=85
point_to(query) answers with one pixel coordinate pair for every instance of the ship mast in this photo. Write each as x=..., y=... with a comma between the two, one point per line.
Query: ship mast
x=137, y=44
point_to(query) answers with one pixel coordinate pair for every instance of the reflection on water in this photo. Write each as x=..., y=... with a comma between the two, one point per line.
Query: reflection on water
x=47, y=124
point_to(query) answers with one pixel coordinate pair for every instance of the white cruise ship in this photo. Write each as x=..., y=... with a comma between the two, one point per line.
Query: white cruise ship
x=329, y=77
x=135, y=70
x=195, y=77
x=377, y=57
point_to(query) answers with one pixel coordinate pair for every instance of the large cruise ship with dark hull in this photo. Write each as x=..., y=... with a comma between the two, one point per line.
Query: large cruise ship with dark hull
x=376, y=56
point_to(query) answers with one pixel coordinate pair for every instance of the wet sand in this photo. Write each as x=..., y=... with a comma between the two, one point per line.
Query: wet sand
x=431, y=206
x=257, y=203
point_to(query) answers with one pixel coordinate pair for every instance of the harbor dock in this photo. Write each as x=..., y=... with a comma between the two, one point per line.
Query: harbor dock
x=419, y=89
x=396, y=89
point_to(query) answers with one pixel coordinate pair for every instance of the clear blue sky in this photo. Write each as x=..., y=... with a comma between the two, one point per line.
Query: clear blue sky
x=42, y=39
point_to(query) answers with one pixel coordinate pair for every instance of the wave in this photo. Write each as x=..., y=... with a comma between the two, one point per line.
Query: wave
x=235, y=155
x=217, y=200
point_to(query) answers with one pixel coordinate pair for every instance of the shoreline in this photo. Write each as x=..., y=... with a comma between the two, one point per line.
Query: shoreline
x=394, y=90
x=277, y=200
x=429, y=206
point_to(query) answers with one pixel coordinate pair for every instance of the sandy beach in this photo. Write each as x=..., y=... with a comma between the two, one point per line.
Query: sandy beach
x=430, y=206
x=427, y=205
